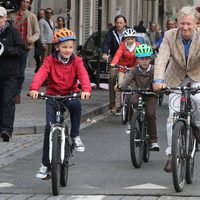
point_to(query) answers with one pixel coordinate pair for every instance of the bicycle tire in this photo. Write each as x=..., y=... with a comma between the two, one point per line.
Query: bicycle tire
x=146, y=147
x=190, y=160
x=56, y=163
x=136, y=140
x=178, y=156
x=65, y=165
x=124, y=110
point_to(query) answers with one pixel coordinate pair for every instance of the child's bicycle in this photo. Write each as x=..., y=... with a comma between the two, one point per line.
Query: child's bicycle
x=184, y=145
x=124, y=97
x=60, y=144
x=139, y=137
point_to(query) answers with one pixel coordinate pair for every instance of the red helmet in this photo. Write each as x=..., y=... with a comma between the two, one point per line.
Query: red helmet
x=63, y=35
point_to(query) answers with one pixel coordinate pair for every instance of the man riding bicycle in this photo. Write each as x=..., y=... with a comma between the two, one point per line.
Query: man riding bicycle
x=180, y=47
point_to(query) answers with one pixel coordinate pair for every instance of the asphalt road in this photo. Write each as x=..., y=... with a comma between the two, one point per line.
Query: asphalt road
x=104, y=168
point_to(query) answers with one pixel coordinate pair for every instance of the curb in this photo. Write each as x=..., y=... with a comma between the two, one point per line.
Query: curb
x=38, y=129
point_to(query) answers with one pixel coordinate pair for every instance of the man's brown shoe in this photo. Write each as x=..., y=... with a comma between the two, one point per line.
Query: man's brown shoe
x=168, y=165
x=17, y=99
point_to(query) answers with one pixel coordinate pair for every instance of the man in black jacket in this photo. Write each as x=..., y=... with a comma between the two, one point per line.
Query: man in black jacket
x=110, y=45
x=12, y=47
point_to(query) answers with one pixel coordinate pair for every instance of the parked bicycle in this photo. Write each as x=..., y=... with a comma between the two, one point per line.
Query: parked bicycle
x=60, y=144
x=139, y=136
x=124, y=97
x=184, y=145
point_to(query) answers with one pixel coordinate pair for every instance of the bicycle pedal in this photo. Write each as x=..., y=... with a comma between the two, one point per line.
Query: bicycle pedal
x=71, y=165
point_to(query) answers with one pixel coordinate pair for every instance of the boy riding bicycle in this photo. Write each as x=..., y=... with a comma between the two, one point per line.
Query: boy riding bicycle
x=142, y=77
x=125, y=57
x=62, y=69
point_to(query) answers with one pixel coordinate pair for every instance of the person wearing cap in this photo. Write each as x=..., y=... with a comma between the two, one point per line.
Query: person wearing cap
x=63, y=63
x=11, y=48
x=27, y=24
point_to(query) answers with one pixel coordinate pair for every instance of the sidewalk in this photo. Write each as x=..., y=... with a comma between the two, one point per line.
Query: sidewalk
x=30, y=114
x=30, y=121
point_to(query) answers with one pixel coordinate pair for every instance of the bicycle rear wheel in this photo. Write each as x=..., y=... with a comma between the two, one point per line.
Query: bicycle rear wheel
x=136, y=140
x=178, y=156
x=124, y=109
x=56, y=163
x=65, y=165
x=190, y=159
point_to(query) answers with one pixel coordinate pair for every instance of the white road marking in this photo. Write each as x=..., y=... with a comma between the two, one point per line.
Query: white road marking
x=146, y=186
x=3, y=185
x=89, y=197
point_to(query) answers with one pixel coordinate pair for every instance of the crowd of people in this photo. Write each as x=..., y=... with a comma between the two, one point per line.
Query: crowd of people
x=176, y=65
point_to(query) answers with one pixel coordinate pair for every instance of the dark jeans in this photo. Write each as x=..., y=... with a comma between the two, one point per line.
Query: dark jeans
x=74, y=107
x=8, y=89
x=22, y=68
x=150, y=111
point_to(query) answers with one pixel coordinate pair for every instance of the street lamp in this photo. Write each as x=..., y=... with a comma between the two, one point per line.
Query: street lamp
x=68, y=13
x=99, y=43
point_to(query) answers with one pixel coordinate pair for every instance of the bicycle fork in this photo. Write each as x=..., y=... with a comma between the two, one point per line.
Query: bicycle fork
x=62, y=139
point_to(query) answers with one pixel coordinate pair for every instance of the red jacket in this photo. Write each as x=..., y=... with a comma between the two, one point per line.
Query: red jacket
x=124, y=57
x=62, y=79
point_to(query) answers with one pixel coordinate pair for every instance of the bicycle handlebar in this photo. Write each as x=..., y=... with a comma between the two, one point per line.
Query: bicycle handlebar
x=42, y=95
x=191, y=90
x=139, y=91
x=122, y=67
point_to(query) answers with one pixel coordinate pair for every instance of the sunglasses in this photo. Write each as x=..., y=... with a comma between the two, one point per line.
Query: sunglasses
x=49, y=12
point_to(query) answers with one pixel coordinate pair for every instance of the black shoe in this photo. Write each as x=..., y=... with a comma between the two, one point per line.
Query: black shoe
x=5, y=136
x=168, y=165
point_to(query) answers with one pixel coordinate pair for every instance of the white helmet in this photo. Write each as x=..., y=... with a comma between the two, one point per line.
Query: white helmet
x=129, y=32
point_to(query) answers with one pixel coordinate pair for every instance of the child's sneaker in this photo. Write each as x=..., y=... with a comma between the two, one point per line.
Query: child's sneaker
x=78, y=145
x=43, y=172
x=154, y=147
x=128, y=130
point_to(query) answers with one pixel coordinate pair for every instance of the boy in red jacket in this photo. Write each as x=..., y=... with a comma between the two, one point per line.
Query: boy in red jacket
x=62, y=70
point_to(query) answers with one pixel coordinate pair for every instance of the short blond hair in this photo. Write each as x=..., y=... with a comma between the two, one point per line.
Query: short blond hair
x=188, y=10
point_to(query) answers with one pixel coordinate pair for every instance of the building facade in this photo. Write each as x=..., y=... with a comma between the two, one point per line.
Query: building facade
x=83, y=15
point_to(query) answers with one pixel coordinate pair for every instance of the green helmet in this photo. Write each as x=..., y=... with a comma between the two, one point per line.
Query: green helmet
x=143, y=50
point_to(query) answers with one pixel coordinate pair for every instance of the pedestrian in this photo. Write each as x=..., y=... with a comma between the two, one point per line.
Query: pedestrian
x=27, y=24
x=11, y=48
x=153, y=33
x=46, y=34
x=180, y=48
x=142, y=77
x=124, y=56
x=110, y=45
x=38, y=44
x=70, y=67
x=60, y=23
x=171, y=23
x=140, y=28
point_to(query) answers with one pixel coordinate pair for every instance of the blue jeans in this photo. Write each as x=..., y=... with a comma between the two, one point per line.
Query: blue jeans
x=74, y=107
x=22, y=68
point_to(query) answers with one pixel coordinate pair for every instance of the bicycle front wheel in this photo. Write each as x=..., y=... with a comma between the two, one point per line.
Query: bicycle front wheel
x=178, y=156
x=190, y=158
x=65, y=165
x=56, y=163
x=136, y=140
x=125, y=107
